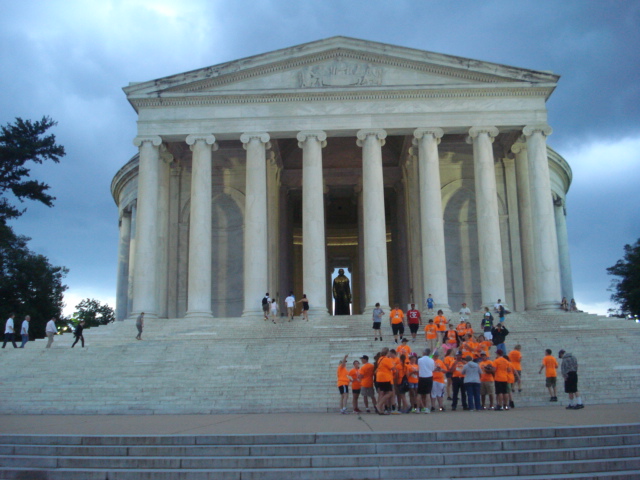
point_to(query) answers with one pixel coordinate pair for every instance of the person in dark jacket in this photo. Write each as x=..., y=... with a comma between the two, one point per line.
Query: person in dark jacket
x=499, y=333
x=78, y=334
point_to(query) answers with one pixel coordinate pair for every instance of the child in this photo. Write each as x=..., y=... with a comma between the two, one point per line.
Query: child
x=343, y=384
x=274, y=310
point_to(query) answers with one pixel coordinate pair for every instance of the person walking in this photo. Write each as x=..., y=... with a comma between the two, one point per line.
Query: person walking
x=396, y=319
x=549, y=364
x=499, y=334
x=569, y=370
x=274, y=310
x=50, y=330
x=305, y=306
x=487, y=323
x=290, y=302
x=377, y=321
x=24, y=330
x=426, y=366
x=515, y=357
x=140, y=325
x=266, y=304
x=414, y=320
x=9, y=332
x=441, y=321
x=79, y=334
x=366, y=381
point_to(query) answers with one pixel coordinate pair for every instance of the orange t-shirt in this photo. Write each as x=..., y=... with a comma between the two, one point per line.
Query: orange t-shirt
x=384, y=373
x=486, y=345
x=457, y=373
x=473, y=347
x=511, y=377
x=399, y=373
x=431, y=331
x=448, y=361
x=515, y=356
x=502, y=369
x=343, y=379
x=452, y=337
x=366, y=375
x=461, y=329
x=355, y=382
x=469, y=331
x=403, y=349
x=412, y=373
x=396, y=316
x=486, y=376
x=439, y=376
x=441, y=321
x=550, y=364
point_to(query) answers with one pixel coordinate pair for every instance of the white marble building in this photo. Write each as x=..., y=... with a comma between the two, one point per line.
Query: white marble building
x=419, y=172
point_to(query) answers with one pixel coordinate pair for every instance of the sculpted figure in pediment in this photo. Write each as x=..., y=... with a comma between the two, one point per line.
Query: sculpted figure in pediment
x=340, y=74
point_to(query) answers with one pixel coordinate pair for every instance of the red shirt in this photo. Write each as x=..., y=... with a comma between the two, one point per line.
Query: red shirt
x=413, y=316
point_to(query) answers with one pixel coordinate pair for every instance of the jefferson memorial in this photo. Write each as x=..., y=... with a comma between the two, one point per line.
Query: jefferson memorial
x=418, y=173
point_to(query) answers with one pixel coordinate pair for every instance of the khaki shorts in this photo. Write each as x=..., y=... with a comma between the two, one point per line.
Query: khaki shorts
x=550, y=382
x=487, y=388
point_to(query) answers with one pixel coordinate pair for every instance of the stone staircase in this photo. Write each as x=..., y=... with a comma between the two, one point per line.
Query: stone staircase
x=247, y=365
x=595, y=452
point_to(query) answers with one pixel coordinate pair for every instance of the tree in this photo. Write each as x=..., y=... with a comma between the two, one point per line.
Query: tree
x=93, y=313
x=627, y=288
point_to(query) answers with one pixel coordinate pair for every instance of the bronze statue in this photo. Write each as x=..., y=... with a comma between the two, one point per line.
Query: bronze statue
x=341, y=294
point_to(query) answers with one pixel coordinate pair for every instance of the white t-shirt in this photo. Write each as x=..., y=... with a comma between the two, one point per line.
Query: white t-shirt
x=290, y=301
x=51, y=327
x=426, y=366
x=8, y=327
x=464, y=313
x=25, y=328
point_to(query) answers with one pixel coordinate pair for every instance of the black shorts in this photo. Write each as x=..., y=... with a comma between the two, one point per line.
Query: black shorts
x=376, y=325
x=501, y=388
x=397, y=328
x=385, y=386
x=343, y=389
x=571, y=383
x=413, y=327
x=425, y=385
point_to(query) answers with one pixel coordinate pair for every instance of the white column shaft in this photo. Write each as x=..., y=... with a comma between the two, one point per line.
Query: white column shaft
x=256, y=269
x=566, y=277
x=314, y=278
x=543, y=218
x=375, y=229
x=122, y=297
x=490, y=248
x=434, y=260
x=199, y=289
x=132, y=257
x=163, y=232
x=145, y=274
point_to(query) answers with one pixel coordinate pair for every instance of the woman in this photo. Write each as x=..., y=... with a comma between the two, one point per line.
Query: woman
x=274, y=310
x=564, y=305
x=449, y=360
x=305, y=307
x=471, y=372
x=355, y=385
x=412, y=377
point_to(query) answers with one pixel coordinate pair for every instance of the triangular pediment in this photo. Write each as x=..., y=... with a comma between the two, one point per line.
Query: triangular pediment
x=336, y=64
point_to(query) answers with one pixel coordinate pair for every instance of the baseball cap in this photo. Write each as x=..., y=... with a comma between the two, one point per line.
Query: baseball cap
x=364, y=357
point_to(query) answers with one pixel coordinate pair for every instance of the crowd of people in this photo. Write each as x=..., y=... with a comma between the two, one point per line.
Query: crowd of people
x=458, y=365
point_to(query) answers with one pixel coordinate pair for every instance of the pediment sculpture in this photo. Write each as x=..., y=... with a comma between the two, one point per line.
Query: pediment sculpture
x=340, y=73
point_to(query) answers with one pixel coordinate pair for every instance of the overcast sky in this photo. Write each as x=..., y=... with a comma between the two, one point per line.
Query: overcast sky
x=69, y=59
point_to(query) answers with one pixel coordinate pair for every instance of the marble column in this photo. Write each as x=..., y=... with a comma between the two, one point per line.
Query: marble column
x=526, y=228
x=145, y=273
x=256, y=269
x=122, y=287
x=132, y=257
x=566, y=277
x=199, y=286
x=434, y=259
x=314, y=262
x=543, y=218
x=163, y=230
x=375, y=229
x=514, y=234
x=489, y=245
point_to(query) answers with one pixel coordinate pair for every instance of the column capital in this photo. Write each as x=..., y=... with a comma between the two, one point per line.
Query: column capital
x=419, y=133
x=379, y=133
x=155, y=140
x=263, y=137
x=491, y=131
x=519, y=146
x=165, y=155
x=207, y=138
x=543, y=128
x=306, y=134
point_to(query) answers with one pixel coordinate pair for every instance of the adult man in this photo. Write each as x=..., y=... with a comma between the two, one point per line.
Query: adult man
x=9, y=332
x=487, y=386
x=79, y=334
x=569, y=370
x=414, y=320
x=266, y=304
x=140, y=325
x=457, y=379
x=24, y=330
x=426, y=366
x=396, y=319
x=341, y=294
x=549, y=364
x=50, y=330
x=464, y=312
x=377, y=321
x=502, y=366
x=515, y=357
x=290, y=302
x=499, y=334
x=366, y=382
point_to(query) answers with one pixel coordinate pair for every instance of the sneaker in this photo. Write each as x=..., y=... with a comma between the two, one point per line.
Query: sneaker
x=449, y=398
x=579, y=406
x=395, y=412
x=453, y=409
x=511, y=404
x=413, y=410
x=343, y=411
x=492, y=407
x=498, y=408
x=375, y=339
x=571, y=407
x=506, y=407
x=554, y=399
x=426, y=410
x=465, y=408
x=442, y=409
x=433, y=409
x=551, y=399
x=357, y=410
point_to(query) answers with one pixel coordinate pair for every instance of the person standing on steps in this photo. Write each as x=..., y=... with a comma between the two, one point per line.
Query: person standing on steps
x=50, y=330
x=79, y=334
x=441, y=321
x=366, y=381
x=140, y=325
x=414, y=320
x=343, y=384
x=377, y=321
x=569, y=370
x=266, y=305
x=356, y=386
x=465, y=312
x=515, y=357
x=396, y=319
x=487, y=324
x=290, y=302
x=498, y=335
x=9, y=332
x=24, y=330
x=305, y=306
x=549, y=364
x=429, y=304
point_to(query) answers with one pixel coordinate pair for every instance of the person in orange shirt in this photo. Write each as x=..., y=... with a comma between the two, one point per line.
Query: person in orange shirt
x=469, y=329
x=549, y=364
x=441, y=321
x=396, y=319
x=461, y=329
x=516, y=358
x=449, y=360
x=502, y=366
x=412, y=377
x=451, y=339
x=355, y=385
x=512, y=376
x=384, y=376
x=343, y=384
x=402, y=362
x=365, y=375
x=484, y=345
x=404, y=349
x=431, y=334
x=487, y=386
x=439, y=383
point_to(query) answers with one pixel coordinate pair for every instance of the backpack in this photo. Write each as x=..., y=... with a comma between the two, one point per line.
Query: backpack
x=265, y=301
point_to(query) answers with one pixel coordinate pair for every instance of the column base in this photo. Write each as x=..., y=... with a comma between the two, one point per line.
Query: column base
x=253, y=313
x=548, y=305
x=147, y=315
x=199, y=314
x=318, y=312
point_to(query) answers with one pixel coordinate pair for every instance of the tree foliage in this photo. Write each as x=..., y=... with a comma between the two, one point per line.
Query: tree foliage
x=21, y=142
x=93, y=313
x=627, y=288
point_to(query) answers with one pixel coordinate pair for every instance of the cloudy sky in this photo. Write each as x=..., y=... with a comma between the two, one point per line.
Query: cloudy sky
x=69, y=59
